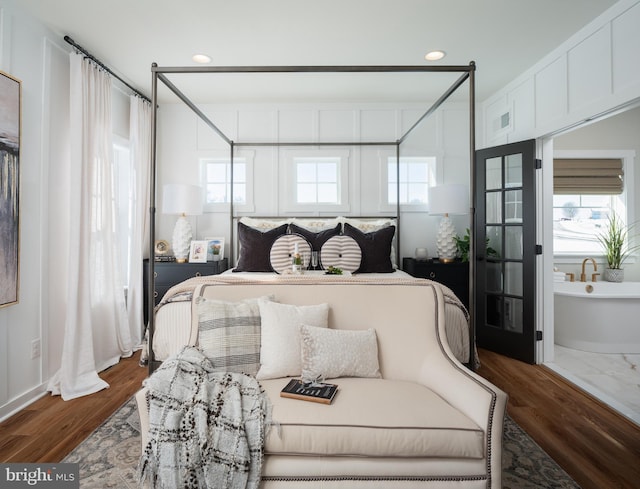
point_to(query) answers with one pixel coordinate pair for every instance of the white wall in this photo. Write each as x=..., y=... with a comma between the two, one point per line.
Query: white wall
x=183, y=139
x=593, y=72
x=27, y=52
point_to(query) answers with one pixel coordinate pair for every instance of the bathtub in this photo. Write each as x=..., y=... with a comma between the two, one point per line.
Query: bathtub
x=601, y=317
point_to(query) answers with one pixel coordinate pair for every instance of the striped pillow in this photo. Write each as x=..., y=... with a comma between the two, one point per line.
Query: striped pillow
x=229, y=334
x=342, y=252
x=282, y=249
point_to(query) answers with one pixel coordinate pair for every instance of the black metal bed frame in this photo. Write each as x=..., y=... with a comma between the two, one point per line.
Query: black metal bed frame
x=159, y=73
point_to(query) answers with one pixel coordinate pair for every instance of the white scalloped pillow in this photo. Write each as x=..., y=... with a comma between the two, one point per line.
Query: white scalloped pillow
x=282, y=250
x=280, y=336
x=331, y=353
x=341, y=251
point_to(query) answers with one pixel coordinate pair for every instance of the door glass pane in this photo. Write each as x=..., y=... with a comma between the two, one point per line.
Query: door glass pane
x=493, y=277
x=513, y=170
x=494, y=235
x=513, y=314
x=513, y=243
x=493, y=207
x=494, y=311
x=513, y=278
x=513, y=206
x=494, y=173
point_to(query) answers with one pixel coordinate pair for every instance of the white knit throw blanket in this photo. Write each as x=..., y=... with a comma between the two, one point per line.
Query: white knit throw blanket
x=207, y=428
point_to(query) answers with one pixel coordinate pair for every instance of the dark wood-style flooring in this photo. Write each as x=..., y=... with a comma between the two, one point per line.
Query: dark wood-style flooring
x=597, y=447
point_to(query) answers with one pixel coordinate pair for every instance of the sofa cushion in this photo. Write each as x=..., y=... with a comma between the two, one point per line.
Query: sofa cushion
x=372, y=418
x=338, y=353
x=280, y=336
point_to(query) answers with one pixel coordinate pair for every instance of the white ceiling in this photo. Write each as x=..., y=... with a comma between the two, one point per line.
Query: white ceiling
x=503, y=37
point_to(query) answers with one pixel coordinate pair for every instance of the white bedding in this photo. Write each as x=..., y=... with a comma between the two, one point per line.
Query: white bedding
x=173, y=316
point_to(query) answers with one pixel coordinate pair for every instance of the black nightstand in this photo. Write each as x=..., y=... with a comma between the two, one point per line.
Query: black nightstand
x=169, y=274
x=454, y=275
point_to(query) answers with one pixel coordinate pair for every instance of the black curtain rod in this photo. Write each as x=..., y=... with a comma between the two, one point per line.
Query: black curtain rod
x=105, y=67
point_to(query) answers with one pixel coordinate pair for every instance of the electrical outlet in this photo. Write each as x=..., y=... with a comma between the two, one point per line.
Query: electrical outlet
x=35, y=348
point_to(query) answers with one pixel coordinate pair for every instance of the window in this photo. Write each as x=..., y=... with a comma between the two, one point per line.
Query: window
x=588, y=188
x=417, y=174
x=216, y=181
x=122, y=176
x=317, y=180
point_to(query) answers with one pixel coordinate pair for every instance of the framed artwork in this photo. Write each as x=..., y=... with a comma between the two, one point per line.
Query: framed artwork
x=198, y=252
x=10, y=108
x=215, y=249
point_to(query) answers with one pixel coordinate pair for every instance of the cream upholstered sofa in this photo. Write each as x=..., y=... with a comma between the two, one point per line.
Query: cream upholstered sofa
x=426, y=422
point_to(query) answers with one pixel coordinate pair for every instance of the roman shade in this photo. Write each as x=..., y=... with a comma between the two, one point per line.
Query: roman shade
x=588, y=176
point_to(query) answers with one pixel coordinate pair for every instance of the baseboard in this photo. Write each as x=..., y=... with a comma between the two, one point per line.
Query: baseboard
x=22, y=401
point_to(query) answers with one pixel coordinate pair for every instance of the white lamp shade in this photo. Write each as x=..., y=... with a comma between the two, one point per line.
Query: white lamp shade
x=182, y=199
x=451, y=198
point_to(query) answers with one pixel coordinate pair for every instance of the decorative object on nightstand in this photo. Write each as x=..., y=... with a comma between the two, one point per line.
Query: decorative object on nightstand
x=422, y=254
x=444, y=200
x=184, y=200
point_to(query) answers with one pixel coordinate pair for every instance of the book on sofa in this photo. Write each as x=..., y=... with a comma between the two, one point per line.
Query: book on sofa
x=308, y=391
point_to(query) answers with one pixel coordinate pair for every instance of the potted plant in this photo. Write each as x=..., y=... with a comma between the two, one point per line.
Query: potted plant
x=462, y=246
x=615, y=242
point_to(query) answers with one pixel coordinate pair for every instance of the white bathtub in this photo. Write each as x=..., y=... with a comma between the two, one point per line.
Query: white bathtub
x=602, y=317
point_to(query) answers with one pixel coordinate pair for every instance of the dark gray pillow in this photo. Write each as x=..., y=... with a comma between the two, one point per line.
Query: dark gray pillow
x=255, y=248
x=376, y=248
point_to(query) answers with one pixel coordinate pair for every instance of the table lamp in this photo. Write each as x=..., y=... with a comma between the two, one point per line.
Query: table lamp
x=184, y=200
x=448, y=199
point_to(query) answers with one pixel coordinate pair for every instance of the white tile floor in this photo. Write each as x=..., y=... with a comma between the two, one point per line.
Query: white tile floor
x=612, y=378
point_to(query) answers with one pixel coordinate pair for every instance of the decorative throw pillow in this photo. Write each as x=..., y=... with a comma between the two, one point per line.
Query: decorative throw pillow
x=282, y=251
x=330, y=353
x=316, y=238
x=376, y=248
x=280, y=348
x=369, y=225
x=342, y=252
x=229, y=333
x=255, y=247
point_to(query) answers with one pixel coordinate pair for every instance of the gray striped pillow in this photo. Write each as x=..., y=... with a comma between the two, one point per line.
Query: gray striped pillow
x=342, y=252
x=229, y=334
x=282, y=249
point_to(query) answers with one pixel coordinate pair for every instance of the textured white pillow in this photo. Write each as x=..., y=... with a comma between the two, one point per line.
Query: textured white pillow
x=280, y=347
x=332, y=353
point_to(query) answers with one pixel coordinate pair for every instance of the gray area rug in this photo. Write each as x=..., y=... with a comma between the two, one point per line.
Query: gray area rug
x=108, y=458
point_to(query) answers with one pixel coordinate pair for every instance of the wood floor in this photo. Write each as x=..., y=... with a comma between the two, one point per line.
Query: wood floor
x=596, y=446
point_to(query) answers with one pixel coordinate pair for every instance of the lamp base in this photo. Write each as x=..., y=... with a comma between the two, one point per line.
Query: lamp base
x=446, y=245
x=181, y=240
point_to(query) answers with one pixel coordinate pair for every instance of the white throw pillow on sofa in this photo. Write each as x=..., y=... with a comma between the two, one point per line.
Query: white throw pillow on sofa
x=332, y=353
x=280, y=347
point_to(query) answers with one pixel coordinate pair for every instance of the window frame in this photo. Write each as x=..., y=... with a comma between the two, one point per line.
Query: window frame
x=247, y=157
x=625, y=207
x=384, y=158
x=289, y=197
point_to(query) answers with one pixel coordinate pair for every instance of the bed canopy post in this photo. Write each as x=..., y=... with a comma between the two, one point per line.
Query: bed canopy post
x=152, y=221
x=472, y=209
x=231, y=211
x=398, y=202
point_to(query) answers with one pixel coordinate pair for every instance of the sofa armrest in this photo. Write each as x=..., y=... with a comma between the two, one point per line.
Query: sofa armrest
x=143, y=413
x=468, y=392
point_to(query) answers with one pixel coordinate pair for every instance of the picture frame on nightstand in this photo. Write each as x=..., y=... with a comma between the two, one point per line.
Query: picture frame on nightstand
x=215, y=249
x=198, y=251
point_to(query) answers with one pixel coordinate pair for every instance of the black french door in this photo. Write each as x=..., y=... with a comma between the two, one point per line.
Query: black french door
x=506, y=250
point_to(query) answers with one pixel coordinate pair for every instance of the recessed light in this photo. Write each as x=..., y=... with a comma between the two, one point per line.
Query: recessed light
x=201, y=58
x=434, y=55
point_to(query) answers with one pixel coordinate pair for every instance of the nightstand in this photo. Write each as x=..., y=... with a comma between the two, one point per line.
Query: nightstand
x=454, y=275
x=168, y=274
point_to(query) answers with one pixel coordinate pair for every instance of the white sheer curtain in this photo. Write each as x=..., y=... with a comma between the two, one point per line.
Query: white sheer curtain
x=96, y=331
x=140, y=150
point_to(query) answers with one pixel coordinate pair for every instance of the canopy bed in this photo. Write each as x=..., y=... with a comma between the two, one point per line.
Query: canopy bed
x=236, y=226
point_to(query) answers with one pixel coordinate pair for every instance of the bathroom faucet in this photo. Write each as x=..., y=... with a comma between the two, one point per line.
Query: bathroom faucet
x=583, y=276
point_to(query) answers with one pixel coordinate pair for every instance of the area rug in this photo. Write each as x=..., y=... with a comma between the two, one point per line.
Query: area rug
x=108, y=458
